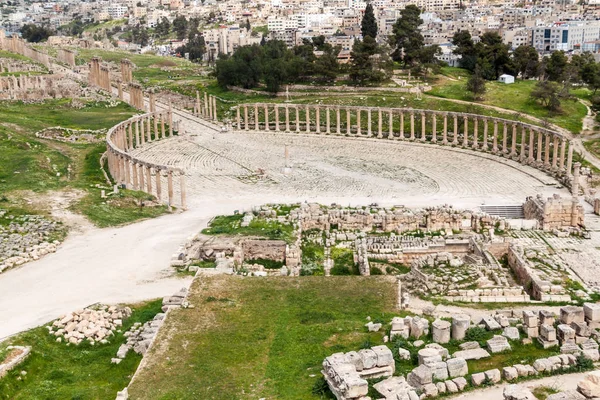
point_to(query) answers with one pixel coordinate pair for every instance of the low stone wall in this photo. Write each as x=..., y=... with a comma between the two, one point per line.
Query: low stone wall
x=17, y=354
x=554, y=212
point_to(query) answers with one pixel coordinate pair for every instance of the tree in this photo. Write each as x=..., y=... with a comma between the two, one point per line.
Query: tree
x=369, y=63
x=465, y=47
x=526, y=61
x=196, y=47
x=493, y=56
x=162, y=27
x=368, y=26
x=34, y=33
x=248, y=26
x=591, y=76
x=556, y=66
x=476, y=84
x=546, y=93
x=406, y=38
x=180, y=26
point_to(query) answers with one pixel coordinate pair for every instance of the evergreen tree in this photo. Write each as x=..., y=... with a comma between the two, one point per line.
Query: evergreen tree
x=476, y=84
x=526, y=61
x=406, y=38
x=465, y=47
x=162, y=27
x=248, y=26
x=368, y=26
x=180, y=26
x=369, y=62
x=556, y=66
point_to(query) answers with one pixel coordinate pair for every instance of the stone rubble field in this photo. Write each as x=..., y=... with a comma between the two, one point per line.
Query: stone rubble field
x=25, y=238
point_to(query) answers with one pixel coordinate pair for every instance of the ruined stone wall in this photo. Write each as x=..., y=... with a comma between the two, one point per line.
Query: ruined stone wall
x=17, y=45
x=555, y=212
x=39, y=87
x=266, y=249
x=66, y=56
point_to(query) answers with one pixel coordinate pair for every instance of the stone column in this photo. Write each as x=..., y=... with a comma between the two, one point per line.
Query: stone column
x=297, y=119
x=379, y=123
x=358, y=127
x=215, y=111
x=162, y=125
x=238, y=118
x=455, y=139
x=170, y=116
x=390, y=124
x=170, y=187
x=205, y=105
x=523, y=143
x=142, y=134
x=276, y=117
x=287, y=118
x=485, y=134
x=307, y=117
x=141, y=177
x=513, y=146
x=130, y=132
x=317, y=119
x=182, y=190
x=466, y=131
x=575, y=183
x=423, y=127
x=127, y=173
x=246, y=121
x=555, y=152
x=148, y=129
x=495, y=144
x=266, y=110
x=476, y=133
x=460, y=324
x=198, y=112
x=531, y=141
x=348, y=121
x=445, y=131
x=152, y=101
x=137, y=133
x=538, y=157
x=149, y=179
x=570, y=160
x=158, y=184
x=327, y=121
x=338, y=121
x=369, y=122
x=401, y=125
x=563, y=147
x=547, y=150
x=120, y=89
x=412, y=126
x=134, y=170
x=155, y=122
x=256, y=117
x=433, y=128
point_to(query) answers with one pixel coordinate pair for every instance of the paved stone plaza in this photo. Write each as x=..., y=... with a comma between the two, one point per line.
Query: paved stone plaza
x=333, y=167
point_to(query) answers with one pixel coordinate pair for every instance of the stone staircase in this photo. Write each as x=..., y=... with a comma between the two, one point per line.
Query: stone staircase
x=505, y=211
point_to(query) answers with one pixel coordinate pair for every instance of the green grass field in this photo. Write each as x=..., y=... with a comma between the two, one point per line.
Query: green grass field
x=512, y=97
x=251, y=338
x=57, y=371
x=37, y=165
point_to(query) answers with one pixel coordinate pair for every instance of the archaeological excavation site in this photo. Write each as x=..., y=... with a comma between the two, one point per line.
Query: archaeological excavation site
x=164, y=237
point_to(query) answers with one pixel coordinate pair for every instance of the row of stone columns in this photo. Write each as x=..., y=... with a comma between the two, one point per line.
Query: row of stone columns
x=136, y=174
x=17, y=45
x=126, y=71
x=523, y=142
x=206, y=107
x=136, y=96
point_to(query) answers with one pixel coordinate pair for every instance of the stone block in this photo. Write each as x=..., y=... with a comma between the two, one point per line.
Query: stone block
x=422, y=375
x=565, y=333
x=393, y=387
x=419, y=327
x=430, y=390
x=477, y=379
x=469, y=345
x=369, y=358
x=548, y=333
x=385, y=358
x=530, y=319
x=442, y=351
x=440, y=371
x=441, y=331
x=510, y=373
x=516, y=392
x=566, y=395
x=570, y=314
x=451, y=387
x=352, y=357
x=429, y=356
x=570, y=348
x=547, y=317
x=491, y=324
x=461, y=383
x=473, y=354
x=581, y=329
x=591, y=354
x=588, y=388
x=511, y=333
x=404, y=354
x=532, y=332
x=441, y=386
x=493, y=375
x=373, y=327
x=498, y=344
x=457, y=367
x=591, y=311
x=460, y=324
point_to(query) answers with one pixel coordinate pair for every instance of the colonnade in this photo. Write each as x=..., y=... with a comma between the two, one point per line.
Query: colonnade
x=206, y=106
x=141, y=175
x=17, y=45
x=529, y=144
x=126, y=71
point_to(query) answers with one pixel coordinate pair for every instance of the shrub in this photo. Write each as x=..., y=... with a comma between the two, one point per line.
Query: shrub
x=268, y=264
x=584, y=363
x=476, y=334
x=376, y=271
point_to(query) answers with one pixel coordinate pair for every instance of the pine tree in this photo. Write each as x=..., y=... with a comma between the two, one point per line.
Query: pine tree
x=368, y=25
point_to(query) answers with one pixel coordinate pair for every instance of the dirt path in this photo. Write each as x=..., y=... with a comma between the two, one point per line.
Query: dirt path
x=559, y=382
